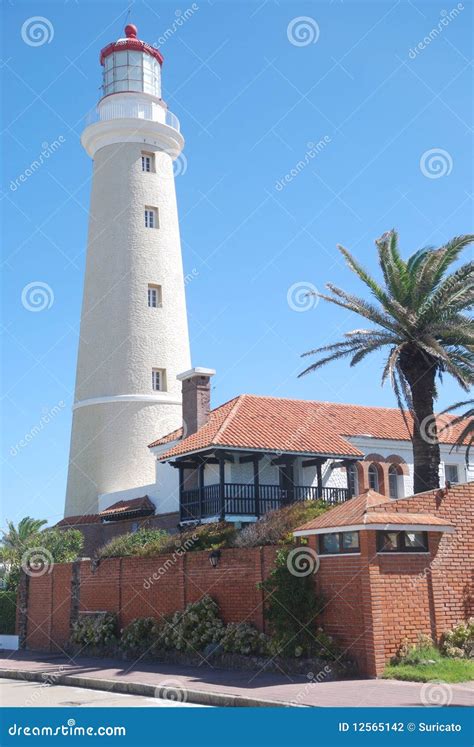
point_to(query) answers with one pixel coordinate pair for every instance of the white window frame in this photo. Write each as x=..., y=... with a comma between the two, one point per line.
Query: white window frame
x=158, y=377
x=151, y=217
x=148, y=160
x=373, y=470
x=446, y=469
x=154, y=296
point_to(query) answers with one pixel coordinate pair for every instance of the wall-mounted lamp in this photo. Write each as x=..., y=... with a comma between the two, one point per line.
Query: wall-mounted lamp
x=214, y=558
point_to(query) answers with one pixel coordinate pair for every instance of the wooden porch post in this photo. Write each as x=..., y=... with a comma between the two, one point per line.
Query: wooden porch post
x=256, y=485
x=201, y=488
x=347, y=464
x=222, y=486
x=319, y=472
x=181, y=486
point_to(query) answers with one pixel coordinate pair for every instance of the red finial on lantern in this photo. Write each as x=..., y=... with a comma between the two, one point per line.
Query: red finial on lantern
x=131, y=31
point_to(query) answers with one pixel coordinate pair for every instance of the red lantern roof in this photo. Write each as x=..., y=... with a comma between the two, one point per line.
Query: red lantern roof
x=130, y=42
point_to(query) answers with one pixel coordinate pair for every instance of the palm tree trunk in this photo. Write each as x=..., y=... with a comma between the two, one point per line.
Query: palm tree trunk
x=420, y=373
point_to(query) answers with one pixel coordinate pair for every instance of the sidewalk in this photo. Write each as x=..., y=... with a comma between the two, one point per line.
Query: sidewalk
x=217, y=687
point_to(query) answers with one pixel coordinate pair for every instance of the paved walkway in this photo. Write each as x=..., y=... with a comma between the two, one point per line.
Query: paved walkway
x=222, y=687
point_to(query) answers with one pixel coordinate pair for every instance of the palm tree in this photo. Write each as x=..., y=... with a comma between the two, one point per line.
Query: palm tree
x=466, y=437
x=419, y=314
x=16, y=539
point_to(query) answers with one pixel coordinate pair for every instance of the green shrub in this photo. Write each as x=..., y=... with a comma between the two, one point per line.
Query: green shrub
x=95, y=629
x=291, y=606
x=421, y=652
x=242, y=638
x=195, y=628
x=204, y=537
x=141, y=636
x=7, y=612
x=276, y=527
x=132, y=542
x=459, y=642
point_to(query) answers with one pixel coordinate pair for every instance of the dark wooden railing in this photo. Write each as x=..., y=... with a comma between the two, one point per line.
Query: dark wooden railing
x=239, y=499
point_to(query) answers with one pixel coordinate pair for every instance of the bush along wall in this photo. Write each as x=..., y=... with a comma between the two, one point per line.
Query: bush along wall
x=7, y=612
x=197, y=636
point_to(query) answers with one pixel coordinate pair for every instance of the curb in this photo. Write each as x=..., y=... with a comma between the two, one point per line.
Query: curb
x=199, y=697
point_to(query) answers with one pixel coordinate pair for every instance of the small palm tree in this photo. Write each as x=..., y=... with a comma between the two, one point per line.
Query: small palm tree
x=420, y=316
x=16, y=539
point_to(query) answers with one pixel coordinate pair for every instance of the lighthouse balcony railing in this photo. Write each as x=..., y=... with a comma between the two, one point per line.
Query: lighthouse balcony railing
x=151, y=111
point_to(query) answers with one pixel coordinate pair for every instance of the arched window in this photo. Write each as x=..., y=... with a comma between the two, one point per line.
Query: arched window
x=373, y=477
x=352, y=479
x=393, y=481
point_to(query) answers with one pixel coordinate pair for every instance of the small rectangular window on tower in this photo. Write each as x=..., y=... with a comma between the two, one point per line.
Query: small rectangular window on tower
x=151, y=217
x=154, y=296
x=158, y=380
x=148, y=162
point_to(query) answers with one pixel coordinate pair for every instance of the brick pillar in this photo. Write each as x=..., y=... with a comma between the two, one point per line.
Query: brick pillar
x=22, y=609
x=372, y=605
x=75, y=592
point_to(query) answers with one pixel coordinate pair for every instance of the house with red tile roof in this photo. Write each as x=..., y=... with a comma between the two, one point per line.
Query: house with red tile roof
x=257, y=453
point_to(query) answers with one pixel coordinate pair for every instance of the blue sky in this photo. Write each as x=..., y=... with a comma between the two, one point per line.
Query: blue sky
x=249, y=100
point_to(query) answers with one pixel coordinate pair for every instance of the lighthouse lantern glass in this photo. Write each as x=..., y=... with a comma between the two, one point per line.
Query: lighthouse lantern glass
x=131, y=71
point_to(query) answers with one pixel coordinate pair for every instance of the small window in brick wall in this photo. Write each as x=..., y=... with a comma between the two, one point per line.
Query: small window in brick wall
x=338, y=543
x=402, y=542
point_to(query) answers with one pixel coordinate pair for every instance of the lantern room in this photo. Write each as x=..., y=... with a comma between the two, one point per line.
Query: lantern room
x=131, y=65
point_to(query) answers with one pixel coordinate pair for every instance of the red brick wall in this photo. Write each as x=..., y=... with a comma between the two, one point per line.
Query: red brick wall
x=373, y=601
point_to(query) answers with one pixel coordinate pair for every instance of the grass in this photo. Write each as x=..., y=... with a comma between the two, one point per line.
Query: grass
x=429, y=664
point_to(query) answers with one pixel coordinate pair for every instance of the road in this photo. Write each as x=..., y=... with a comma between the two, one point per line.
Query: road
x=14, y=693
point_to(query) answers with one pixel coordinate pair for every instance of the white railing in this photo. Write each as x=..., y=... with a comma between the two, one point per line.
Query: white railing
x=133, y=110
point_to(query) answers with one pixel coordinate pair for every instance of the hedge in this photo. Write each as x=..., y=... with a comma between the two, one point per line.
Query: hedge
x=7, y=612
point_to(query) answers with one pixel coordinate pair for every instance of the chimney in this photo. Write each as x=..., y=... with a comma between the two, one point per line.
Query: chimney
x=196, y=389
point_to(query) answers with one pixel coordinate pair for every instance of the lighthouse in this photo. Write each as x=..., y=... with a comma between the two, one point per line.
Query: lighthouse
x=133, y=333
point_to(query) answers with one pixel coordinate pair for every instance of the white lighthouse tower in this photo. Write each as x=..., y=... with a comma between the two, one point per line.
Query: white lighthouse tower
x=134, y=334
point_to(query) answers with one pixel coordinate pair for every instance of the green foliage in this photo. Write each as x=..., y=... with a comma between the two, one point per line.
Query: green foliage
x=7, y=612
x=442, y=670
x=420, y=652
x=242, y=638
x=276, y=527
x=95, y=629
x=291, y=606
x=133, y=542
x=210, y=536
x=196, y=627
x=459, y=642
x=141, y=636
x=53, y=545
